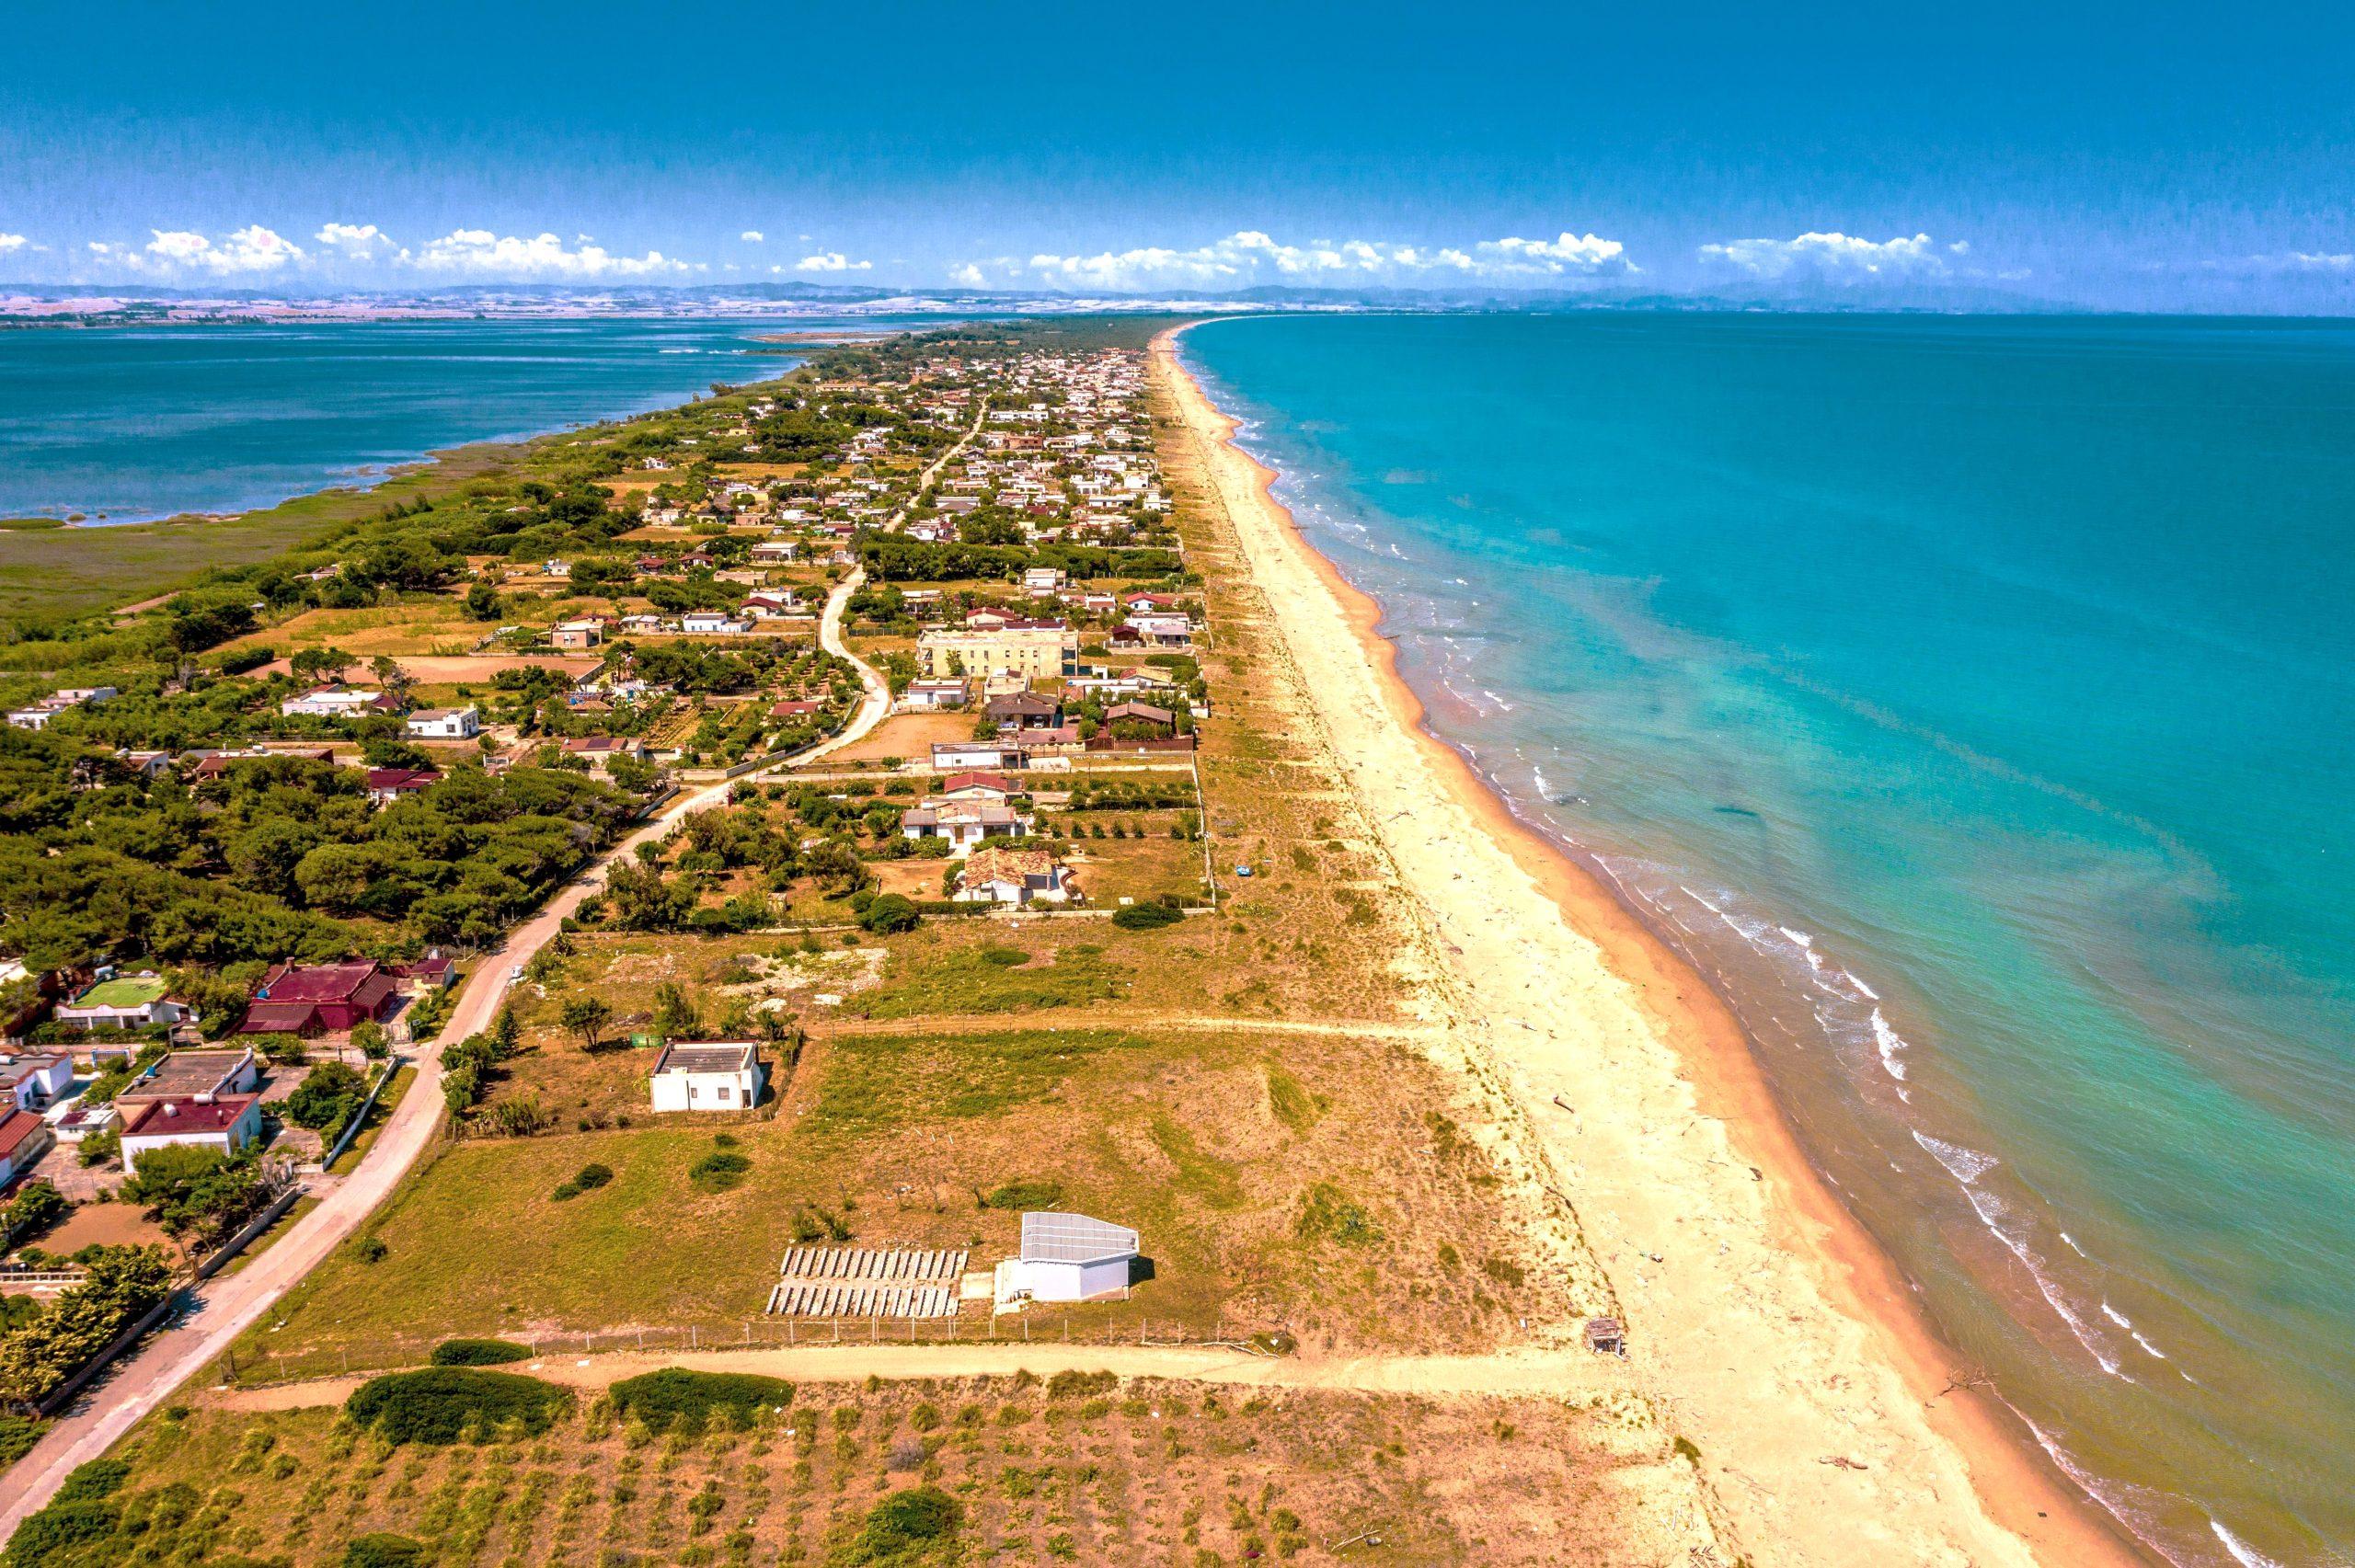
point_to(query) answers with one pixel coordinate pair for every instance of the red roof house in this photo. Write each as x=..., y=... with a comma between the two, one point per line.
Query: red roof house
x=318, y=999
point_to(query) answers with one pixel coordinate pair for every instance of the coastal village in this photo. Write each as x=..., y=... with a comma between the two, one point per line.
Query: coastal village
x=798, y=979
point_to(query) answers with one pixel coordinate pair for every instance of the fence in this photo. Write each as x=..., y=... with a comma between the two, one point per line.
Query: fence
x=359, y=1119
x=281, y=1364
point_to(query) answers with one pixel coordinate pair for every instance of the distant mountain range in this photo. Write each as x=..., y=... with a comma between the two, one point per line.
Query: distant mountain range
x=83, y=304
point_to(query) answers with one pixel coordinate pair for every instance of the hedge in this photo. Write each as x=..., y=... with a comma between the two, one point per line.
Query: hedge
x=688, y=1400
x=479, y=1353
x=437, y=1405
x=1145, y=917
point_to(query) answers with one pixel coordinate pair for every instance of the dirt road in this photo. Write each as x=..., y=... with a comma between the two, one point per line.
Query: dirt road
x=226, y=1306
x=1513, y=1375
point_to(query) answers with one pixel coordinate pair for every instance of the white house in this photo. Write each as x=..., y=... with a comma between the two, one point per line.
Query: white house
x=124, y=1001
x=956, y=756
x=446, y=724
x=24, y=1138
x=34, y=1083
x=226, y=1122
x=966, y=824
x=335, y=702
x=1013, y=876
x=712, y=623
x=931, y=696
x=37, y=715
x=708, y=1075
x=1068, y=1257
x=771, y=606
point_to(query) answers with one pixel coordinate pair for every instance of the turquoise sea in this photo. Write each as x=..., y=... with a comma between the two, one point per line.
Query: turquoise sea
x=141, y=423
x=1973, y=701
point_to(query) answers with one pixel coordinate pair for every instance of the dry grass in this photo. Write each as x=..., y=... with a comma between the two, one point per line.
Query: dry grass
x=1302, y=1182
x=909, y=736
x=1143, y=1472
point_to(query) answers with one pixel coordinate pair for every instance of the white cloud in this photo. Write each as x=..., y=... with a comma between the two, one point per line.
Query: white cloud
x=482, y=253
x=12, y=242
x=752, y=237
x=1568, y=253
x=251, y=249
x=1250, y=255
x=970, y=275
x=1833, y=256
x=2302, y=261
x=353, y=242
x=831, y=261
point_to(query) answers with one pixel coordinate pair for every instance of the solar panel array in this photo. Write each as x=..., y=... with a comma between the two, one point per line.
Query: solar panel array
x=867, y=1282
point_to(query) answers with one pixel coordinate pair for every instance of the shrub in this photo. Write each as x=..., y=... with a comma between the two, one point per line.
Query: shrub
x=1080, y=1385
x=1327, y=1214
x=58, y=1529
x=479, y=1353
x=1025, y=1195
x=674, y=1398
x=436, y=1406
x=382, y=1551
x=593, y=1176
x=903, y=1525
x=1004, y=957
x=17, y=1436
x=1504, y=1271
x=892, y=912
x=1145, y=917
x=94, y=1482
x=718, y=1170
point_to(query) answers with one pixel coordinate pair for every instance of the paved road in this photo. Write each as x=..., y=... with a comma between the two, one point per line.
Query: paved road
x=226, y=1305
x=876, y=705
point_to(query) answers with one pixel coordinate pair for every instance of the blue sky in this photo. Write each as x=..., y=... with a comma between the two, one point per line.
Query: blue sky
x=2137, y=155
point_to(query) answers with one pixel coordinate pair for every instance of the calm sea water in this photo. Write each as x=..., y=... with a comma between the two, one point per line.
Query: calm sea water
x=1971, y=699
x=139, y=424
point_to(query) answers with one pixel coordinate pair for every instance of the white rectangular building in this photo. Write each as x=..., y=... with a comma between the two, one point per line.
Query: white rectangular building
x=1068, y=1257
x=446, y=724
x=708, y=1075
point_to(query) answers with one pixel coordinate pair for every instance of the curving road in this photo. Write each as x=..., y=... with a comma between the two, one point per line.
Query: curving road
x=227, y=1305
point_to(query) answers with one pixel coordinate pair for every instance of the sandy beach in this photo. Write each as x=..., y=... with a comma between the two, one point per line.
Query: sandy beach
x=1766, y=1326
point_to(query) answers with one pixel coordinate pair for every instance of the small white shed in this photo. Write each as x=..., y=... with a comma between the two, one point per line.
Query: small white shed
x=1068, y=1257
x=710, y=1075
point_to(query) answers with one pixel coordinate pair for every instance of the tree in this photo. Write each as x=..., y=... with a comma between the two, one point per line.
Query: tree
x=675, y=1013
x=587, y=1017
x=370, y=1038
x=326, y=1098
x=506, y=1034
x=483, y=602
x=197, y=1195
x=391, y=677
x=310, y=663
x=122, y=1283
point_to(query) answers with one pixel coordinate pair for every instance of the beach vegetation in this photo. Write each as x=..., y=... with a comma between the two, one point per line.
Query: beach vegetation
x=479, y=1353
x=676, y=1399
x=448, y=1405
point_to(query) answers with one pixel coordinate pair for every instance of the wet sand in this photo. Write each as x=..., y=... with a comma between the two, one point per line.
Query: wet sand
x=1767, y=1326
